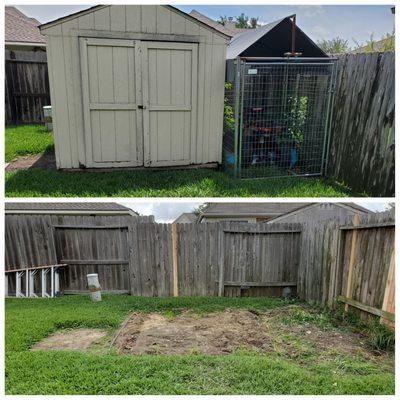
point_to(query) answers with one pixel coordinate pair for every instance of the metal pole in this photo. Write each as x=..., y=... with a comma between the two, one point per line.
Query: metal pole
x=330, y=114
x=294, y=35
x=242, y=73
x=237, y=102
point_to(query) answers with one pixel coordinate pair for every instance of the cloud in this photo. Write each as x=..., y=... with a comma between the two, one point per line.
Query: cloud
x=311, y=11
x=320, y=31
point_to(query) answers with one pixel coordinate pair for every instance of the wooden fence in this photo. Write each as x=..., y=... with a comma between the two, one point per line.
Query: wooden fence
x=353, y=263
x=362, y=145
x=26, y=87
x=86, y=243
x=321, y=263
x=186, y=259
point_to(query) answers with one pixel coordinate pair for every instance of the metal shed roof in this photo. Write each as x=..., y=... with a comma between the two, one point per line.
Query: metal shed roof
x=272, y=40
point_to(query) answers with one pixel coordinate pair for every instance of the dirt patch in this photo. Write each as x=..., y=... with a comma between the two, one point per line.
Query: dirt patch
x=296, y=338
x=76, y=339
x=45, y=161
x=216, y=333
x=330, y=339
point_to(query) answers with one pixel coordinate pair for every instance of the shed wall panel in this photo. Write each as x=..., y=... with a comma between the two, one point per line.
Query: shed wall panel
x=117, y=20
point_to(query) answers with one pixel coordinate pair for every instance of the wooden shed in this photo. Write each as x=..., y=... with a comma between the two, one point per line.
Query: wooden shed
x=134, y=86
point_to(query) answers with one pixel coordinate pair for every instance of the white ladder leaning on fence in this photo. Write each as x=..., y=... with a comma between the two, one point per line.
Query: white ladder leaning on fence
x=45, y=273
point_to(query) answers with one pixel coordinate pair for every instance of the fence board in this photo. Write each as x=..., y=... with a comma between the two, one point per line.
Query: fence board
x=26, y=86
x=362, y=145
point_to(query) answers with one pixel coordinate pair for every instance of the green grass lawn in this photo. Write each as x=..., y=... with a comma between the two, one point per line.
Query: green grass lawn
x=27, y=140
x=68, y=372
x=35, y=182
x=174, y=183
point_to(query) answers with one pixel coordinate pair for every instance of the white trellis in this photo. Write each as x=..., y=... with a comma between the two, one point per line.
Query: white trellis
x=25, y=282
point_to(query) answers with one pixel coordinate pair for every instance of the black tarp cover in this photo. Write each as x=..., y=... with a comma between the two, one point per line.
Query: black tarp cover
x=272, y=40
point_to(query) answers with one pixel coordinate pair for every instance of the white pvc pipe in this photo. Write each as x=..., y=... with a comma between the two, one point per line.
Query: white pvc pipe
x=94, y=286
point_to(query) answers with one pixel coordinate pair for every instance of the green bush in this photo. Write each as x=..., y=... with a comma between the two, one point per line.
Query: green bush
x=380, y=337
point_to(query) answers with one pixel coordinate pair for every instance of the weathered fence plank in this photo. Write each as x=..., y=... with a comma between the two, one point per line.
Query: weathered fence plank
x=362, y=146
x=26, y=87
x=351, y=264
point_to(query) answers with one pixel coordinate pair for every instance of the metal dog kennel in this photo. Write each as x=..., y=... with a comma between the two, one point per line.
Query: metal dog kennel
x=277, y=109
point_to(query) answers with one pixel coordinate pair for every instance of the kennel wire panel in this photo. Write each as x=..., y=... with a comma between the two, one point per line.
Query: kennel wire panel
x=277, y=118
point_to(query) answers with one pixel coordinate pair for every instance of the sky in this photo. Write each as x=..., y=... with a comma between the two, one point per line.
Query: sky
x=355, y=23
x=167, y=211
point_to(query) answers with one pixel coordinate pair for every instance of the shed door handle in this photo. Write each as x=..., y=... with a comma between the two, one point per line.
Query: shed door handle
x=141, y=107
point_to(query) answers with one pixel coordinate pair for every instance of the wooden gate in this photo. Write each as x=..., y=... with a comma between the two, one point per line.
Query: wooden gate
x=259, y=262
x=93, y=249
x=139, y=102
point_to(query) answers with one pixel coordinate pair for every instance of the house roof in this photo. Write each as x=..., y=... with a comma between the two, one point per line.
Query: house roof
x=272, y=40
x=186, y=218
x=50, y=208
x=354, y=207
x=93, y=8
x=248, y=209
x=21, y=29
x=228, y=29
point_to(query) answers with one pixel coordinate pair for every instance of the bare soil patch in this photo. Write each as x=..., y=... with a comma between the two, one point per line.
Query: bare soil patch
x=327, y=341
x=44, y=161
x=216, y=333
x=75, y=339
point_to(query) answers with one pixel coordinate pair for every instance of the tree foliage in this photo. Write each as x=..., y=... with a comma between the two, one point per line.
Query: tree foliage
x=242, y=21
x=339, y=45
x=336, y=45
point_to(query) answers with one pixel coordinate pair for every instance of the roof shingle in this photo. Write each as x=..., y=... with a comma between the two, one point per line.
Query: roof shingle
x=20, y=28
x=65, y=207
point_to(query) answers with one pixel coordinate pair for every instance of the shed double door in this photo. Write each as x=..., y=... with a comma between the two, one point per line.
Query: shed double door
x=139, y=101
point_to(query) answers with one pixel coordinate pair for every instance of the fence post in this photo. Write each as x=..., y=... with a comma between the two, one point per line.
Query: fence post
x=174, y=236
x=389, y=296
x=335, y=251
x=349, y=289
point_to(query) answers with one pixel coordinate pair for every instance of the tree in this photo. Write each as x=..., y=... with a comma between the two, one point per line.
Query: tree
x=391, y=206
x=385, y=44
x=223, y=20
x=254, y=23
x=336, y=45
x=242, y=21
x=197, y=211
